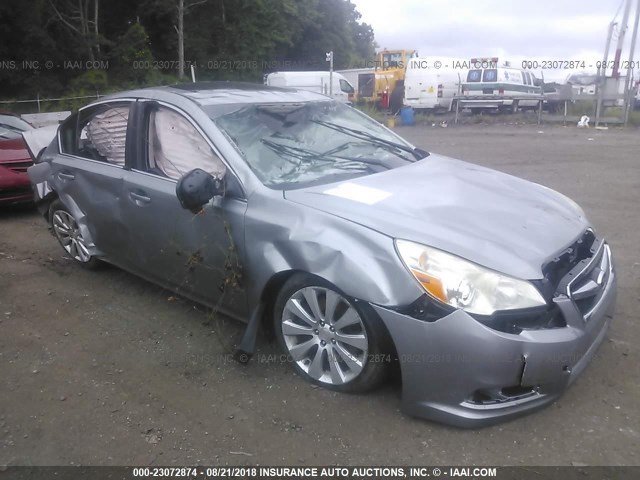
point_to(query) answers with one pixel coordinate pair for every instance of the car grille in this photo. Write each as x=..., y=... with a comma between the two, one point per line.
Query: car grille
x=587, y=287
x=560, y=266
x=580, y=272
x=18, y=166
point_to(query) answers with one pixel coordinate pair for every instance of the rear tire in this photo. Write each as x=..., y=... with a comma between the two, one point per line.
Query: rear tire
x=332, y=340
x=65, y=228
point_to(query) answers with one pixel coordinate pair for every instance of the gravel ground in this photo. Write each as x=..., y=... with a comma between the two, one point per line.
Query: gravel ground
x=103, y=368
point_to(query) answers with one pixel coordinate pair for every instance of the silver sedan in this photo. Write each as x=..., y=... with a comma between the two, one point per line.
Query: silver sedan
x=284, y=208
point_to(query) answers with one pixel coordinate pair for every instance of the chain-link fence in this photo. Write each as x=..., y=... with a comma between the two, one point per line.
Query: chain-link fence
x=40, y=105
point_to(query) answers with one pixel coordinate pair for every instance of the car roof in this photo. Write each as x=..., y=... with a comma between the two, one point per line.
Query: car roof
x=224, y=93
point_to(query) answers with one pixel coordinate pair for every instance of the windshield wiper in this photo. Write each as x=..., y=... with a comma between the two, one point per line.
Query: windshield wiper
x=303, y=154
x=298, y=153
x=362, y=135
x=299, y=157
x=334, y=177
x=362, y=160
x=314, y=161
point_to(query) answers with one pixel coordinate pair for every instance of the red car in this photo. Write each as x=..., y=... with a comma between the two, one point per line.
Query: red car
x=14, y=161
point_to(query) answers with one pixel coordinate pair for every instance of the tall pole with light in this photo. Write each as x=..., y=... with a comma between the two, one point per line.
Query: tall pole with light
x=330, y=60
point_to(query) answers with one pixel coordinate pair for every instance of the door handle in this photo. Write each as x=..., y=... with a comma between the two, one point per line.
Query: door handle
x=139, y=198
x=66, y=176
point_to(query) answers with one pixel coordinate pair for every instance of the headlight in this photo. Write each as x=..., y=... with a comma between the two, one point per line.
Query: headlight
x=466, y=285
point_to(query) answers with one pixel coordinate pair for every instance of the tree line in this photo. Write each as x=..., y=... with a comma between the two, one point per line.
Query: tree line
x=74, y=47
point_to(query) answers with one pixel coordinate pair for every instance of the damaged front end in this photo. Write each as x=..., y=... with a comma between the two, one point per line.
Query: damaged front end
x=472, y=371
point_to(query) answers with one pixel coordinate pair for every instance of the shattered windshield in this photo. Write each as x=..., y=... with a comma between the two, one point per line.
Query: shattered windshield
x=290, y=145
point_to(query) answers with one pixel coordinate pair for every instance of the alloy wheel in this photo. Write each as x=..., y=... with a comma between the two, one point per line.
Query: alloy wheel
x=68, y=232
x=325, y=335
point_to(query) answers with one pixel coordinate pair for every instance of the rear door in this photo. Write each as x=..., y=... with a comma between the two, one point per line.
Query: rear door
x=198, y=255
x=473, y=85
x=448, y=88
x=489, y=80
x=89, y=172
x=421, y=89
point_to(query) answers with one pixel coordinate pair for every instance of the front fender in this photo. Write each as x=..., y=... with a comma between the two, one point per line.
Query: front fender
x=283, y=236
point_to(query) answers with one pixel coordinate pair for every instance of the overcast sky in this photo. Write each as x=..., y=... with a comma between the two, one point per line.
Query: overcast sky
x=510, y=29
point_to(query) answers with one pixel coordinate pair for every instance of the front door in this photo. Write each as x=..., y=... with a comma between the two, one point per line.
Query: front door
x=200, y=255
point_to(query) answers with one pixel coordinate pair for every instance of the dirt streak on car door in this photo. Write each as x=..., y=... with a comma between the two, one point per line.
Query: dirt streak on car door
x=193, y=254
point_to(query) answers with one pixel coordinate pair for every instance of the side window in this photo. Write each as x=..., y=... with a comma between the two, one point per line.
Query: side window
x=528, y=75
x=346, y=86
x=176, y=147
x=474, y=75
x=98, y=133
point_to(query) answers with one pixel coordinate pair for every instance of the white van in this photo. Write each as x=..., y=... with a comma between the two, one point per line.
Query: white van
x=428, y=88
x=317, y=82
x=517, y=89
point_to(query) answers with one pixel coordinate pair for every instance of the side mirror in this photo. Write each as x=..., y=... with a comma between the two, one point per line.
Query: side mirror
x=196, y=188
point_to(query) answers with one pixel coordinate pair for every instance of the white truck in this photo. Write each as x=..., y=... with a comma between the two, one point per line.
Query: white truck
x=318, y=82
x=429, y=88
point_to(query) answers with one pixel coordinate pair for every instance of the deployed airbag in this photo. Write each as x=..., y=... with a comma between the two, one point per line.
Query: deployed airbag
x=177, y=147
x=107, y=132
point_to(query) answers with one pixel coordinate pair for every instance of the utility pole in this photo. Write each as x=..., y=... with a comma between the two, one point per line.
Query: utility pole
x=602, y=69
x=330, y=60
x=180, y=31
x=623, y=30
x=183, y=8
x=628, y=85
x=602, y=80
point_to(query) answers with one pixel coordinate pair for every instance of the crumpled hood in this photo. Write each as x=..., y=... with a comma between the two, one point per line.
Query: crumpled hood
x=502, y=222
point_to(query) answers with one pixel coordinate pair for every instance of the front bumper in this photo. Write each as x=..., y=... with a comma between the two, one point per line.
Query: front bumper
x=463, y=373
x=489, y=103
x=418, y=104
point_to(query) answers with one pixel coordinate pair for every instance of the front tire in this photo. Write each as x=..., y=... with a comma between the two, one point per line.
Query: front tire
x=65, y=228
x=333, y=341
